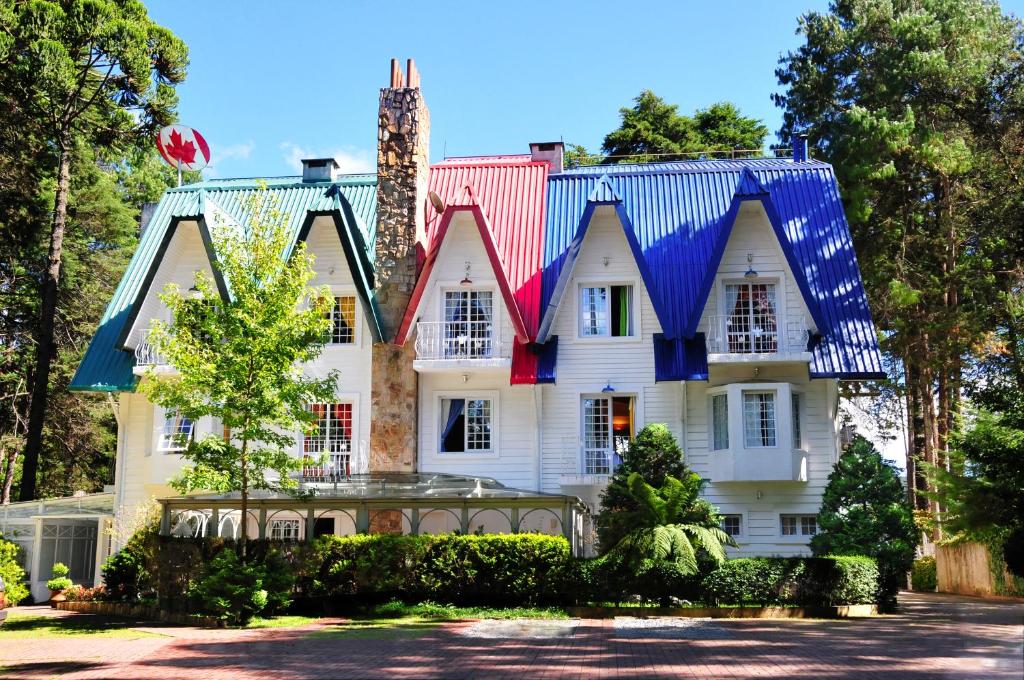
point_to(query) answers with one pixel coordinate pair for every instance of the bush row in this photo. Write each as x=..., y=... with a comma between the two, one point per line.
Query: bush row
x=491, y=570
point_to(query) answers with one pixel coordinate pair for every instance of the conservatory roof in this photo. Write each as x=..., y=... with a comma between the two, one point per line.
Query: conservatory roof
x=85, y=505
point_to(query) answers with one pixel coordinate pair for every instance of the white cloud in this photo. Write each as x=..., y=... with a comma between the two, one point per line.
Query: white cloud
x=241, y=151
x=350, y=159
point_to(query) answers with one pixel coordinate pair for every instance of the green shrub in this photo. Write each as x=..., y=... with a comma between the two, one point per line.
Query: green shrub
x=923, y=574
x=125, y=574
x=59, y=579
x=809, y=582
x=235, y=591
x=12, y=573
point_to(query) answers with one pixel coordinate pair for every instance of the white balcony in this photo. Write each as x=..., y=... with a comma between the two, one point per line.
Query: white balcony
x=732, y=340
x=759, y=465
x=446, y=345
x=148, y=356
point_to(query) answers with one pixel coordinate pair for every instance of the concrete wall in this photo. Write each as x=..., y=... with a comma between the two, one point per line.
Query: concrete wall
x=965, y=569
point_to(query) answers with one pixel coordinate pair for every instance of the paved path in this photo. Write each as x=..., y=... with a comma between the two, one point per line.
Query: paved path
x=934, y=636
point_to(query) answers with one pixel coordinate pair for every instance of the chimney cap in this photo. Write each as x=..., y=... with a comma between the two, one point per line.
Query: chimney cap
x=319, y=162
x=319, y=169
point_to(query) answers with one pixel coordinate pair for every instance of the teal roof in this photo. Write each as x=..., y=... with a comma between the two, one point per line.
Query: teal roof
x=351, y=199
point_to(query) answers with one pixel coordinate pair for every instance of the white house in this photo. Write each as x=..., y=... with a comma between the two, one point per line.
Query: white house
x=504, y=325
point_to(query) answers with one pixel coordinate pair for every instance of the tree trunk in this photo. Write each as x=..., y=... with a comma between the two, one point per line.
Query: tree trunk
x=44, y=340
x=917, y=451
x=9, y=457
x=244, y=536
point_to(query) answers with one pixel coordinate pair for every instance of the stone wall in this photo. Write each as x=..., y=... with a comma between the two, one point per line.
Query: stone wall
x=403, y=167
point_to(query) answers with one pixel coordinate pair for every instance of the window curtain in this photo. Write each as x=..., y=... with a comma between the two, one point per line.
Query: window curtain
x=481, y=312
x=625, y=293
x=455, y=408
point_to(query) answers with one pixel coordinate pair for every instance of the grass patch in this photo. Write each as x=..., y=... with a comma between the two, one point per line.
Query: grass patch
x=282, y=621
x=20, y=626
x=401, y=628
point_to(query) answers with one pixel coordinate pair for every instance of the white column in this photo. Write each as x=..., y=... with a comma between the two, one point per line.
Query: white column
x=37, y=548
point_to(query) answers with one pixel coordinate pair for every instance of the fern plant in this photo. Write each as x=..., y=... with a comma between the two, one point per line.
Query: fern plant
x=669, y=524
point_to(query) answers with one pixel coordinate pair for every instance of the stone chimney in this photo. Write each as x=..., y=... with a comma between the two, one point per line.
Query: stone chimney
x=403, y=166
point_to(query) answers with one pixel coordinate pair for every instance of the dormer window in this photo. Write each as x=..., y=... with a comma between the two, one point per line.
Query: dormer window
x=176, y=431
x=606, y=311
x=751, y=317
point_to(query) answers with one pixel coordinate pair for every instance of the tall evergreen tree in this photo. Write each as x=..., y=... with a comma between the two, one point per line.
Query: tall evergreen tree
x=918, y=105
x=864, y=511
x=97, y=73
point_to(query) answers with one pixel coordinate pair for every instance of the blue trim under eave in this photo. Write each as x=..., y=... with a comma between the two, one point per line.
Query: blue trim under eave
x=547, y=360
x=678, y=359
x=572, y=253
x=729, y=221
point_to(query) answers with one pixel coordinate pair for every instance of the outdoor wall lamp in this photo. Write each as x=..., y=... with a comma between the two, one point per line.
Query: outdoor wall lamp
x=466, y=281
x=751, y=273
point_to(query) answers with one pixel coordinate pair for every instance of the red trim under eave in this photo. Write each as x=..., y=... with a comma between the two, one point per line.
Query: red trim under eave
x=515, y=315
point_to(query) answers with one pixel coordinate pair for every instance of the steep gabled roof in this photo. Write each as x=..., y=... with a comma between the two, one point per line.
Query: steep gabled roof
x=510, y=192
x=106, y=367
x=681, y=213
x=603, y=193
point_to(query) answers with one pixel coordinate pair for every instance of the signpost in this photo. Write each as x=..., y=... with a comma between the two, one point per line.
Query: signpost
x=183, y=148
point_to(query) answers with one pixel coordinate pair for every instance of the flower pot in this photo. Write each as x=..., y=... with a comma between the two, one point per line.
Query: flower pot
x=56, y=596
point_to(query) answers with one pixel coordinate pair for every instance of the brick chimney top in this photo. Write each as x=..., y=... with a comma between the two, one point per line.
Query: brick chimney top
x=552, y=152
x=411, y=77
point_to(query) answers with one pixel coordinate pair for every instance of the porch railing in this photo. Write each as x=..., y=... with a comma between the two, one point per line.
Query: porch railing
x=732, y=335
x=146, y=353
x=456, y=340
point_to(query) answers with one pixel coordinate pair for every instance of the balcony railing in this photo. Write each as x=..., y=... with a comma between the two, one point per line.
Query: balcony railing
x=146, y=353
x=337, y=467
x=729, y=335
x=457, y=340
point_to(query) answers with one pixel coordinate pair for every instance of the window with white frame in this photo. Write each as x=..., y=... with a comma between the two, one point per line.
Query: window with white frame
x=606, y=311
x=468, y=324
x=732, y=524
x=284, y=530
x=332, y=437
x=607, y=430
x=343, y=320
x=798, y=525
x=466, y=425
x=720, y=422
x=797, y=434
x=176, y=431
x=751, y=319
x=759, y=430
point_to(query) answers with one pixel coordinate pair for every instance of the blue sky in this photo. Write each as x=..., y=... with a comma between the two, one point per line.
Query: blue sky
x=273, y=82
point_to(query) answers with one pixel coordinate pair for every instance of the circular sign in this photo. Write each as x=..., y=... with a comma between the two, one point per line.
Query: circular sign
x=183, y=147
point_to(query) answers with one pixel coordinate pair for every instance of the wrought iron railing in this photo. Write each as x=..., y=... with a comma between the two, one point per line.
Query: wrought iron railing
x=146, y=352
x=458, y=340
x=732, y=335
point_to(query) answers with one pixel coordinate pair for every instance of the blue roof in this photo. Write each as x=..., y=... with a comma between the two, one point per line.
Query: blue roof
x=107, y=367
x=681, y=214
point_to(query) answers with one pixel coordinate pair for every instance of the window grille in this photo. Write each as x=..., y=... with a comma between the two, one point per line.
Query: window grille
x=343, y=320
x=468, y=324
x=284, y=530
x=466, y=425
x=333, y=436
x=752, y=325
x=176, y=432
x=759, y=419
x=798, y=525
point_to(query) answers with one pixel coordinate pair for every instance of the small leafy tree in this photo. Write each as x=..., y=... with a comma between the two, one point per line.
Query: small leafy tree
x=11, y=573
x=655, y=455
x=669, y=524
x=865, y=511
x=240, y=359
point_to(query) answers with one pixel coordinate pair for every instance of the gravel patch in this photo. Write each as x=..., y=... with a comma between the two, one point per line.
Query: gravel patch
x=521, y=629
x=669, y=628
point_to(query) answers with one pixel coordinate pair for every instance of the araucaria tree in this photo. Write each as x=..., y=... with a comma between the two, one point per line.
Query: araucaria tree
x=239, y=358
x=864, y=511
x=919, y=105
x=92, y=73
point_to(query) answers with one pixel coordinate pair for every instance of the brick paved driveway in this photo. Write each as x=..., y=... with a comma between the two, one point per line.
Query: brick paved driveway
x=935, y=636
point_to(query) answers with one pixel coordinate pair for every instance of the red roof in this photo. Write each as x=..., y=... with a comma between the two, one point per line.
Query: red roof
x=508, y=193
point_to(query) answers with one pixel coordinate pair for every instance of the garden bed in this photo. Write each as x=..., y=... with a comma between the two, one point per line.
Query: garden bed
x=138, y=611
x=842, y=612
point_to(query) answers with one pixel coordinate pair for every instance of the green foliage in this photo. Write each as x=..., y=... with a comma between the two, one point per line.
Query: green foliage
x=670, y=524
x=60, y=580
x=653, y=126
x=770, y=581
x=490, y=569
x=125, y=573
x=238, y=359
x=231, y=590
x=922, y=574
x=11, y=572
x=654, y=454
x=864, y=511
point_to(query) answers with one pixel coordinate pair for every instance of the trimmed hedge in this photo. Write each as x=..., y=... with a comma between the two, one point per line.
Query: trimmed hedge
x=812, y=581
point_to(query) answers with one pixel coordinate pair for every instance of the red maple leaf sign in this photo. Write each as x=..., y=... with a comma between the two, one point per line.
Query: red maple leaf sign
x=186, y=153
